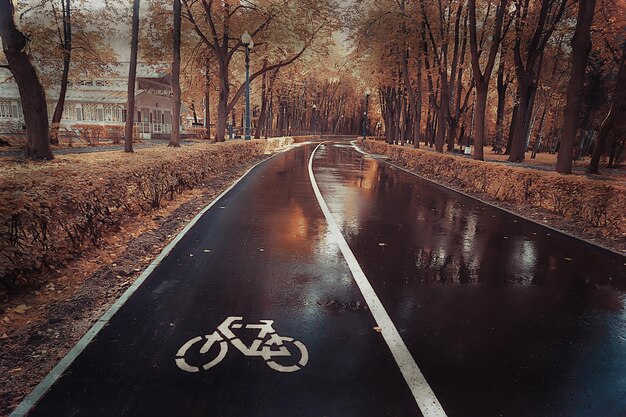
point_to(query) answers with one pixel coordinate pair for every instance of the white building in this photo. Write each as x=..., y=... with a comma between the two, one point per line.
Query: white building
x=102, y=101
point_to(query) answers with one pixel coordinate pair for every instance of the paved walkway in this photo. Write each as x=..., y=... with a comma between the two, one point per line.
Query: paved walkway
x=350, y=288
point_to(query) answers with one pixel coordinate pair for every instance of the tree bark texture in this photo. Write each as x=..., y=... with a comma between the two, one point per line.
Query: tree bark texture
x=32, y=94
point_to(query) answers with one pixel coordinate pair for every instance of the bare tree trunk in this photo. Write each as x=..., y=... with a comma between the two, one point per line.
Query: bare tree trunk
x=263, y=112
x=67, y=53
x=417, y=122
x=132, y=77
x=528, y=65
x=539, y=134
x=617, y=109
x=32, y=94
x=207, y=98
x=222, y=106
x=175, y=136
x=581, y=45
x=481, y=80
x=501, y=87
x=511, y=135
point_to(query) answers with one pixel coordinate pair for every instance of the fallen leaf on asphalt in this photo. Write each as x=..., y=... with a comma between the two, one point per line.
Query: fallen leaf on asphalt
x=191, y=254
x=378, y=329
x=261, y=250
x=568, y=259
x=21, y=309
x=382, y=244
x=207, y=251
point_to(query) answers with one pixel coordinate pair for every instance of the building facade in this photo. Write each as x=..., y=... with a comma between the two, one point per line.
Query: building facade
x=102, y=101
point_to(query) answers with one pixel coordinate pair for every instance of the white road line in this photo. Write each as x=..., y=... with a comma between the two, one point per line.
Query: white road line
x=424, y=395
x=39, y=391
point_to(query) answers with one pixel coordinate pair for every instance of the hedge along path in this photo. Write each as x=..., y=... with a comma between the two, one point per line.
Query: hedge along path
x=599, y=206
x=53, y=211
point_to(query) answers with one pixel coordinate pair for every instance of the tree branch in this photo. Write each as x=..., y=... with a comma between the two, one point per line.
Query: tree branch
x=278, y=65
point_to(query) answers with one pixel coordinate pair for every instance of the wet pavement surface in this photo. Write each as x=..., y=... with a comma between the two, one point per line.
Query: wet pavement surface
x=503, y=316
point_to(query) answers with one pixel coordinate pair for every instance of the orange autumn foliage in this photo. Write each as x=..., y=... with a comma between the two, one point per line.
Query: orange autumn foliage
x=52, y=212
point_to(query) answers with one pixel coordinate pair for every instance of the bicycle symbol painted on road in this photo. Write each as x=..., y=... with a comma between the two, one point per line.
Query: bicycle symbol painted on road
x=268, y=345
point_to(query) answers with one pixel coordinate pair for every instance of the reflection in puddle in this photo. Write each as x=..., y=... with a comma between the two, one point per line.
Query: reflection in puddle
x=538, y=318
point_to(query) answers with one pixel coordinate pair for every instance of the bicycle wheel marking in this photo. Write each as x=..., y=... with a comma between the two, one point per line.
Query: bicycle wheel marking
x=268, y=345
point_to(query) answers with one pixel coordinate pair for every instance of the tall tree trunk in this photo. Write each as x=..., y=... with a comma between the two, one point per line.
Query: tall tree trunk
x=175, y=136
x=442, y=114
x=528, y=64
x=263, y=112
x=417, y=122
x=501, y=87
x=617, y=111
x=207, y=98
x=132, y=77
x=539, y=134
x=222, y=105
x=32, y=94
x=415, y=108
x=511, y=135
x=581, y=45
x=481, y=79
x=67, y=53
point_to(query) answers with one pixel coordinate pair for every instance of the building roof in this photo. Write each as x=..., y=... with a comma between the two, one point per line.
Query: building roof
x=85, y=96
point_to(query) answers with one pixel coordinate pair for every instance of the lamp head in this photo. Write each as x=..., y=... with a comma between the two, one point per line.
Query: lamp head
x=246, y=39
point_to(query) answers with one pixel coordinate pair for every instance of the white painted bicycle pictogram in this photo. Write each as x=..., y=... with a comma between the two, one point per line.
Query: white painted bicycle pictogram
x=268, y=344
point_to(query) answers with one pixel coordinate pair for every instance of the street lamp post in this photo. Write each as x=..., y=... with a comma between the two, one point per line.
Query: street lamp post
x=314, y=114
x=246, y=40
x=367, y=102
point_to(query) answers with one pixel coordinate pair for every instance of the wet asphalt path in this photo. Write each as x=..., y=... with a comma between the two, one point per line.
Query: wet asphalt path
x=503, y=316
x=271, y=257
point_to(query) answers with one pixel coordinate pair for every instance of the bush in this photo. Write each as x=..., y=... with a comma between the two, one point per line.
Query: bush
x=90, y=134
x=53, y=211
x=596, y=205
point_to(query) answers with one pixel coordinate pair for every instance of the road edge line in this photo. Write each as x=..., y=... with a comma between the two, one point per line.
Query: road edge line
x=442, y=185
x=42, y=388
x=422, y=392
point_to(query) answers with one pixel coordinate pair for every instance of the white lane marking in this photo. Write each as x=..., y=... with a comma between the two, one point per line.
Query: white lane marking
x=424, y=396
x=39, y=391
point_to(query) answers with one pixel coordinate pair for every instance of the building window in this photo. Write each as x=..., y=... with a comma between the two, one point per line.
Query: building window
x=79, y=114
x=90, y=112
x=69, y=112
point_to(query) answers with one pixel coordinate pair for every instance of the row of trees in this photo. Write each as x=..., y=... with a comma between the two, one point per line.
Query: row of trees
x=49, y=42
x=438, y=64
